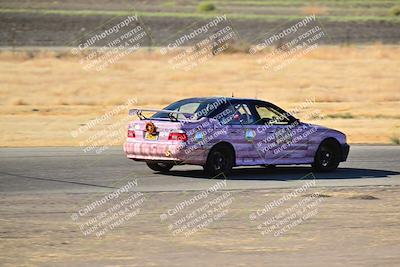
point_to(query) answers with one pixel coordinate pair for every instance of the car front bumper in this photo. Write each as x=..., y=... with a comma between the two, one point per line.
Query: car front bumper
x=345, y=151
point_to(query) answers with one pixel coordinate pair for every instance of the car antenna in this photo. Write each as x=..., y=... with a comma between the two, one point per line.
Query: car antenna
x=232, y=94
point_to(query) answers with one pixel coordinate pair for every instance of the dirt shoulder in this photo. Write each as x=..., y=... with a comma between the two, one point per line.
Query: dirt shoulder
x=348, y=226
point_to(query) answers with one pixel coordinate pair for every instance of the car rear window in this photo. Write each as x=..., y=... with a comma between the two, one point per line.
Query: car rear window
x=187, y=106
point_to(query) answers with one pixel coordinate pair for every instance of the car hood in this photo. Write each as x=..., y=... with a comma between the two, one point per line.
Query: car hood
x=329, y=131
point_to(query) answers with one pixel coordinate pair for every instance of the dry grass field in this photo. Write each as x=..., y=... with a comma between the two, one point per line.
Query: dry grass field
x=46, y=95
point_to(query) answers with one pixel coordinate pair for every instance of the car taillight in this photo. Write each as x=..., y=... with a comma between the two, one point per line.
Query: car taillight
x=178, y=136
x=131, y=133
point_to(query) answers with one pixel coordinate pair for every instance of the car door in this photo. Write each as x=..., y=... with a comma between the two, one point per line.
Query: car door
x=241, y=127
x=285, y=141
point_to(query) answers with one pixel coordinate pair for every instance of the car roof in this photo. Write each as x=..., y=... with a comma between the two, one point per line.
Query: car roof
x=219, y=97
x=235, y=99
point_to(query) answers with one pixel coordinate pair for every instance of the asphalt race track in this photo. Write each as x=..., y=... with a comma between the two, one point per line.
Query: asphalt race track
x=54, y=170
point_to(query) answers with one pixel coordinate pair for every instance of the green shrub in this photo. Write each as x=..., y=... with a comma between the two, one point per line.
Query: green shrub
x=395, y=140
x=206, y=7
x=395, y=11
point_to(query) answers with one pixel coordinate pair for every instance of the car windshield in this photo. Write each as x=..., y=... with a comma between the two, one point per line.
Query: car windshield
x=198, y=107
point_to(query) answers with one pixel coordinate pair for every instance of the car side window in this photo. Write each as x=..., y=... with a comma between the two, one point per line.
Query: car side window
x=268, y=115
x=240, y=114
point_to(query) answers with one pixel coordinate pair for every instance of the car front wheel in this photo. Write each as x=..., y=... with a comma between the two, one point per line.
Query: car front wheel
x=327, y=157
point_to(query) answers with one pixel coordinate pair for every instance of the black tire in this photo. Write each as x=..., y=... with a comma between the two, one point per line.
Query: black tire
x=159, y=166
x=220, y=160
x=327, y=157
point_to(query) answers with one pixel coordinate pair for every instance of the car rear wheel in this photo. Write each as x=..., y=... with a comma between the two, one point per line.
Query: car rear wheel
x=159, y=166
x=220, y=160
x=327, y=157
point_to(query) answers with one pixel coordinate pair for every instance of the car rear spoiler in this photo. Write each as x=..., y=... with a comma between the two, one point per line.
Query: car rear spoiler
x=171, y=117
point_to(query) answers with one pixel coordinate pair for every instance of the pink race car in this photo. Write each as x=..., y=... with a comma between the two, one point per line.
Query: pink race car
x=221, y=133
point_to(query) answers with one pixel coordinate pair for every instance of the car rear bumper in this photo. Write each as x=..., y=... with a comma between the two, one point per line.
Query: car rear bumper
x=345, y=151
x=157, y=151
